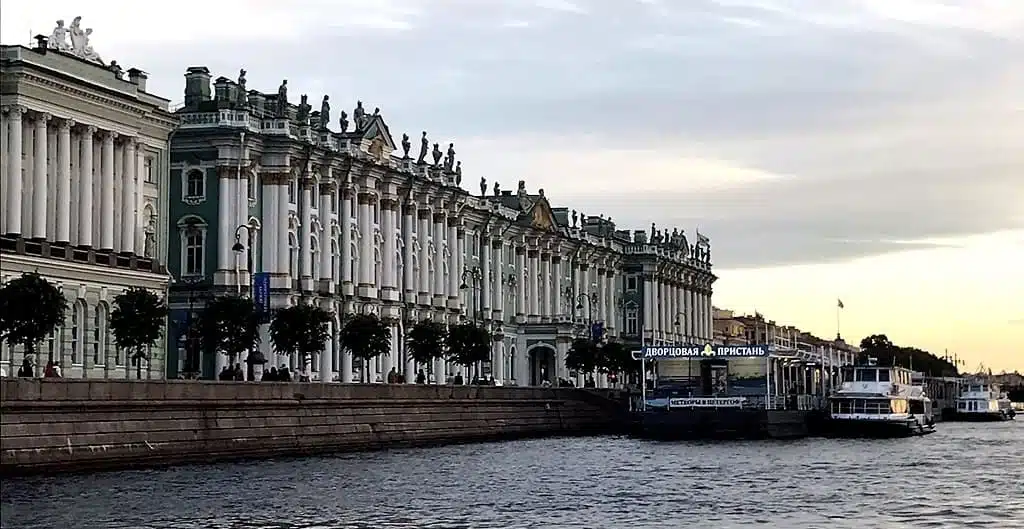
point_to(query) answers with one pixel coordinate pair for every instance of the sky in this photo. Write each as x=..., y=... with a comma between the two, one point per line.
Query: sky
x=864, y=150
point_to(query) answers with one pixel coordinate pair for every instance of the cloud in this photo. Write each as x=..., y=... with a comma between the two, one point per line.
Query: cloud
x=790, y=132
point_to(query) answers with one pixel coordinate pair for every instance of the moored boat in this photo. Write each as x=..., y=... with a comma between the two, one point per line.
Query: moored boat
x=981, y=401
x=877, y=401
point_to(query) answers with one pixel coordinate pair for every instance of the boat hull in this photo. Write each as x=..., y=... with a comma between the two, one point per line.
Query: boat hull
x=983, y=417
x=722, y=423
x=874, y=429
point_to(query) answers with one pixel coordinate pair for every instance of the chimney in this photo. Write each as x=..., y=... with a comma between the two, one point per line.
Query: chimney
x=197, y=85
x=138, y=78
x=42, y=43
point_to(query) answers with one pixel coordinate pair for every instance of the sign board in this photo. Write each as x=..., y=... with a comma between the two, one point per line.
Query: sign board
x=261, y=294
x=705, y=351
x=713, y=402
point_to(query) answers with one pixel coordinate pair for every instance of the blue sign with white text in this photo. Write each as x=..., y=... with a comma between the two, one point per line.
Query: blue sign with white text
x=705, y=351
x=261, y=293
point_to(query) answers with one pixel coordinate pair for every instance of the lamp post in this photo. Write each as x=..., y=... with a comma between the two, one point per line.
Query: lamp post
x=591, y=300
x=678, y=323
x=471, y=280
x=238, y=248
x=191, y=368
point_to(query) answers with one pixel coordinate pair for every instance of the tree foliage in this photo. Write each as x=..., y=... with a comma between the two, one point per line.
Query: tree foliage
x=468, y=343
x=888, y=354
x=615, y=357
x=137, y=322
x=426, y=341
x=300, y=329
x=366, y=336
x=229, y=325
x=582, y=356
x=30, y=309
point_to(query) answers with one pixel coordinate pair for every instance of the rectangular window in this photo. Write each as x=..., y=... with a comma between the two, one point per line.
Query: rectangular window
x=150, y=174
x=632, y=322
x=195, y=184
x=194, y=253
x=631, y=283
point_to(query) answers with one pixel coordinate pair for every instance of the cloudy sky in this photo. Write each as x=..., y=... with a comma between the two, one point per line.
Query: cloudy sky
x=871, y=150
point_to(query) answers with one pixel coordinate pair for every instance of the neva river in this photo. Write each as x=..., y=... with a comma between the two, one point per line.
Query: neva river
x=966, y=475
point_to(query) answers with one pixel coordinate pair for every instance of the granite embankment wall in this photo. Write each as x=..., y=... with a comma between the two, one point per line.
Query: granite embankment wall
x=58, y=425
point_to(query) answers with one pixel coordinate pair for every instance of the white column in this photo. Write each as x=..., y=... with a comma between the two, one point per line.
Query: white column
x=388, y=214
x=107, y=192
x=455, y=271
x=611, y=320
x=602, y=292
x=556, y=298
x=268, y=241
x=345, y=224
x=709, y=318
x=460, y=252
x=365, y=220
x=485, y=275
x=326, y=259
x=128, y=220
x=423, y=238
x=327, y=356
x=14, y=183
x=39, y=177
x=282, y=223
x=85, y=187
x=225, y=222
x=498, y=261
x=520, y=281
x=534, y=258
x=545, y=285
x=439, y=288
x=63, y=220
x=648, y=322
x=306, y=231
x=408, y=281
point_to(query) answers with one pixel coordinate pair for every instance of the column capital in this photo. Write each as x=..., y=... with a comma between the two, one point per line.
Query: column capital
x=42, y=117
x=328, y=188
x=108, y=135
x=89, y=129
x=366, y=197
x=66, y=125
x=129, y=141
x=15, y=111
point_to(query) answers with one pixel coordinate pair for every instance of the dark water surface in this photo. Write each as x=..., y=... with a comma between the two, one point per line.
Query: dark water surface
x=967, y=475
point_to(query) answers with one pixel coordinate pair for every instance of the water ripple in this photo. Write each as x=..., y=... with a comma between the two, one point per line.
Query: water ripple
x=967, y=475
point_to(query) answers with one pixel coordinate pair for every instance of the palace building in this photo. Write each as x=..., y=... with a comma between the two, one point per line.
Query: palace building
x=82, y=202
x=269, y=196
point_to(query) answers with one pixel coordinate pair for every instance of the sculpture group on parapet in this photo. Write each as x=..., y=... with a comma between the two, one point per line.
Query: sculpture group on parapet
x=79, y=45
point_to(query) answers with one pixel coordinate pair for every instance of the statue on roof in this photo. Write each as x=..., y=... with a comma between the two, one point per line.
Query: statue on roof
x=540, y=192
x=59, y=38
x=79, y=40
x=437, y=155
x=282, y=100
x=243, y=96
x=449, y=161
x=117, y=70
x=497, y=189
x=406, y=145
x=325, y=113
x=522, y=188
x=424, y=146
x=458, y=173
x=343, y=121
x=376, y=112
x=359, y=116
x=302, y=116
x=654, y=230
x=483, y=186
x=575, y=218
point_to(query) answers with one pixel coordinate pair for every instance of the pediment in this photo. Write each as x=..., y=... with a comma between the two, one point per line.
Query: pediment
x=541, y=217
x=377, y=130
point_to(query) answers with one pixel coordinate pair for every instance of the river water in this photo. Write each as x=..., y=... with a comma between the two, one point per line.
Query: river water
x=966, y=475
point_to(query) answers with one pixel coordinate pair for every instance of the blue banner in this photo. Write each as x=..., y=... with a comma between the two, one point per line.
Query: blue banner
x=261, y=293
x=705, y=351
x=597, y=331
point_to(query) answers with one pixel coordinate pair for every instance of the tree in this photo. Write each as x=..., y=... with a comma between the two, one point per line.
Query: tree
x=426, y=341
x=366, y=336
x=229, y=325
x=30, y=309
x=468, y=344
x=300, y=329
x=616, y=358
x=582, y=356
x=137, y=322
x=888, y=354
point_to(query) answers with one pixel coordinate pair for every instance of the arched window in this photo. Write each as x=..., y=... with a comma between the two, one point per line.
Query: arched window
x=353, y=270
x=77, y=324
x=293, y=256
x=195, y=184
x=99, y=334
x=293, y=188
x=192, y=230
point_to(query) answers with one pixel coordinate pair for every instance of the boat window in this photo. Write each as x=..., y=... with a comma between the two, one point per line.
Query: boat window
x=883, y=375
x=898, y=406
x=866, y=375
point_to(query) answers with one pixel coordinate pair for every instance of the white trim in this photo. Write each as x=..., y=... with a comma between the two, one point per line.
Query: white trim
x=192, y=200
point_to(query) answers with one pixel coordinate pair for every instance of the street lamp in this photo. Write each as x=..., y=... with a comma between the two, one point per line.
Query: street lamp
x=191, y=367
x=591, y=300
x=679, y=322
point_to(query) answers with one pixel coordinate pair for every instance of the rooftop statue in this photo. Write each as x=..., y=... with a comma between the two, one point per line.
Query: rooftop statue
x=359, y=116
x=483, y=186
x=424, y=147
x=343, y=121
x=282, y=100
x=302, y=116
x=59, y=38
x=458, y=173
x=437, y=154
x=406, y=145
x=325, y=113
x=450, y=160
x=497, y=189
x=243, y=96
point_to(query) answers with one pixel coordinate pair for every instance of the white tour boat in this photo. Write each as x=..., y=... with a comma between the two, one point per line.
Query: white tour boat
x=877, y=401
x=981, y=401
